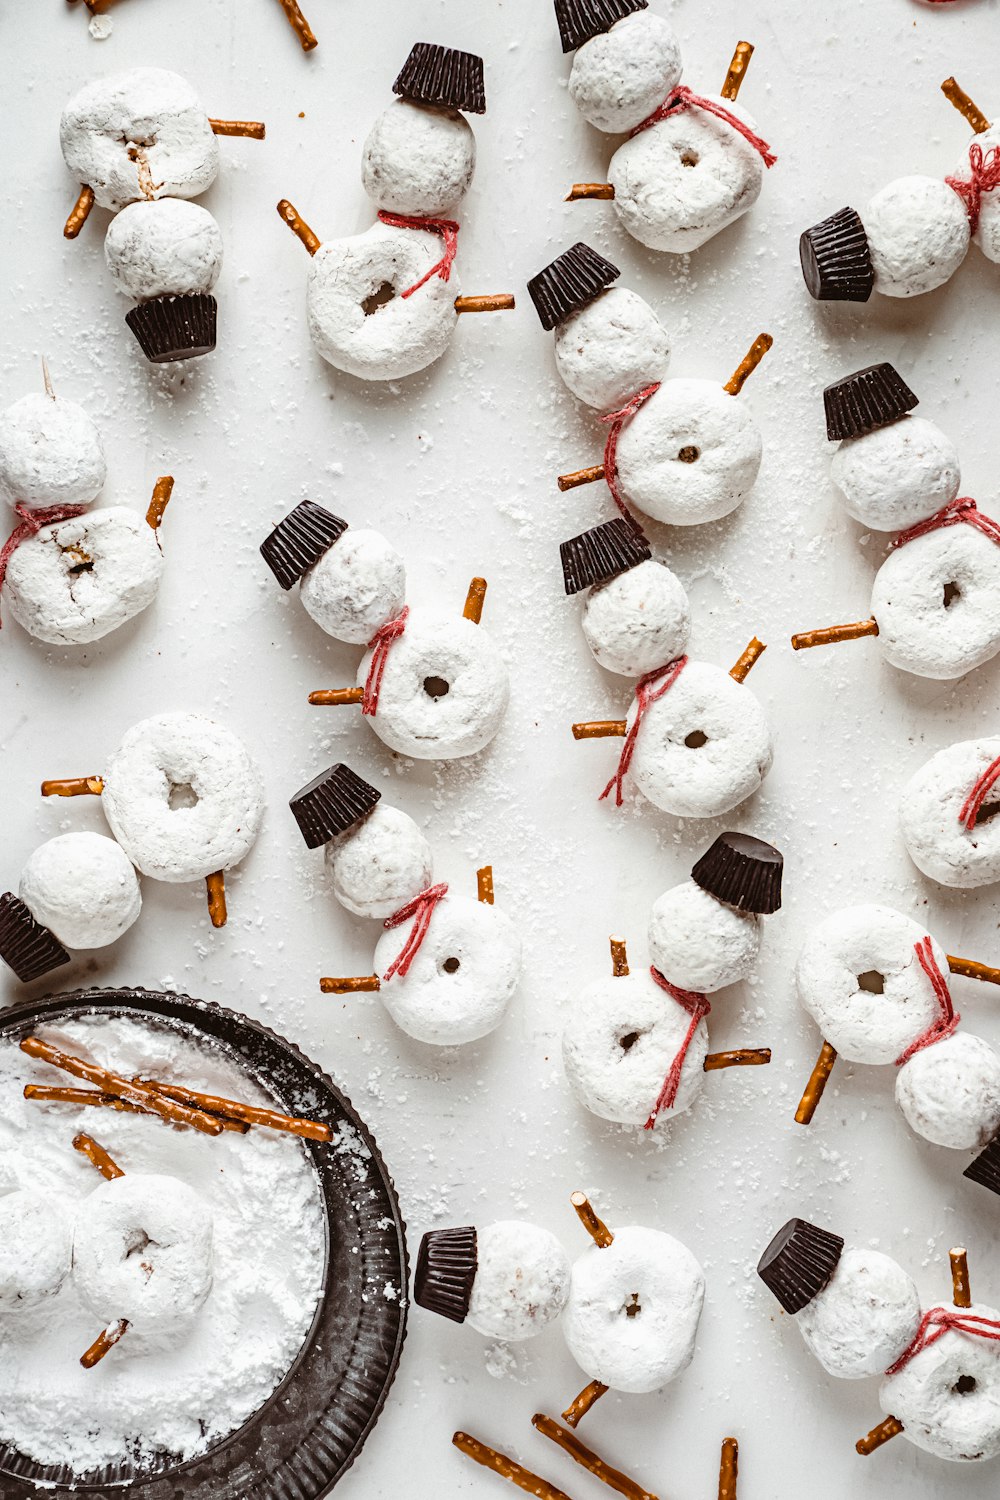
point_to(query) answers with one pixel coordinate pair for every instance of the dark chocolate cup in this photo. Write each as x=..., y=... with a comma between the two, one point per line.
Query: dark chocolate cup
x=873, y=397
x=743, y=872
x=601, y=553
x=331, y=803
x=442, y=76
x=579, y=20
x=986, y=1168
x=446, y=1268
x=313, y=1425
x=569, y=282
x=836, y=263
x=799, y=1262
x=173, y=328
x=300, y=540
x=27, y=947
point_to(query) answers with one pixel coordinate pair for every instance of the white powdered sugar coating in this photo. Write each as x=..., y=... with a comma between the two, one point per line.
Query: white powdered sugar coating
x=521, y=1283
x=961, y=1423
x=864, y=1317
x=930, y=805
x=381, y=864
x=700, y=943
x=612, y=348
x=918, y=233
x=418, y=160
x=937, y=603
x=897, y=475
x=721, y=446
x=36, y=1250
x=163, y=247
x=268, y=1259
x=987, y=235
x=82, y=887
x=357, y=585
x=950, y=1092
x=50, y=454
x=638, y=621
x=621, y=75
x=644, y=1351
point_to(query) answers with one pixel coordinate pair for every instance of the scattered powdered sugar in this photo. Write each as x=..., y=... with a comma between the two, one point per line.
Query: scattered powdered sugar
x=268, y=1259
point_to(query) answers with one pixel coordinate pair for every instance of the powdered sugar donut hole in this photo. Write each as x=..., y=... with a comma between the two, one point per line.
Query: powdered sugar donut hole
x=611, y=348
x=82, y=888
x=937, y=603
x=163, y=247
x=521, y=1282
x=930, y=808
x=950, y=1092
x=35, y=1249
x=918, y=233
x=987, y=235
x=638, y=621
x=864, y=1317
x=381, y=864
x=948, y=1396
x=895, y=476
x=700, y=943
x=50, y=454
x=356, y=586
x=621, y=75
x=418, y=160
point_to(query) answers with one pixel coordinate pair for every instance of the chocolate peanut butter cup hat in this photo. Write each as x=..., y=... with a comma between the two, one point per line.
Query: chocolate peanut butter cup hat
x=26, y=946
x=743, y=872
x=873, y=397
x=442, y=76
x=836, y=263
x=446, y=1269
x=300, y=540
x=569, y=282
x=986, y=1168
x=579, y=20
x=332, y=803
x=173, y=328
x=601, y=553
x=799, y=1262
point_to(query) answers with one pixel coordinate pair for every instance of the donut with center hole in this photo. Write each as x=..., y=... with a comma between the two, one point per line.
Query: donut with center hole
x=948, y=1396
x=937, y=603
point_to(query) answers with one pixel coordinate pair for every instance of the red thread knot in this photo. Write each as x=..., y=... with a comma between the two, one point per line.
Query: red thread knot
x=421, y=908
x=698, y=1007
x=684, y=98
x=446, y=228
x=959, y=512
x=938, y=1321
x=31, y=523
x=380, y=645
x=648, y=690
x=984, y=176
x=619, y=420
x=946, y=1022
x=972, y=806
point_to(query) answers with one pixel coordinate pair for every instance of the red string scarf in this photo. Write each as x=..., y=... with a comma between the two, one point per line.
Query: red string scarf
x=972, y=806
x=684, y=98
x=446, y=228
x=379, y=646
x=984, y=176
x=648, y=690
x=619, y=420
x=962, y=511
x=31, y=523
x=948, y=1019
x=697, y=1007
x=422, y=909
x=938, y=1321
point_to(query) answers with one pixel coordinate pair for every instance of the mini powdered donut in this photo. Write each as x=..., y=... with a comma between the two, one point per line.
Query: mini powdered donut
x=50, y=454
x=947, y=1396
x=678, y=183
x=699, y=942
x=163, y=247
x=444, y=690
x=618, y=1048
x=690, y=454
x=637, y=621
x=987, y=232
x=864, y=1317
x=418, y=160
x=858, y=976
x=462, y=977
x=75, y=581
x=937, y=603
x=521, y=1283
x=936, y=837
x=142, y=1250
x=897, y=475
x=380, y=864
x=359, y=318
x=950, y=1092
x=148, y=115
x=183, y=797
x=82, y=888
x=918, y=233
x=35, y=1249
x=357, y=585
x=611, y=348
x=620, y=76
x=633, y=1310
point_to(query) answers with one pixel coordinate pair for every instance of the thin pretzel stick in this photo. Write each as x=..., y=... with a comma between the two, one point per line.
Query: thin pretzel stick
x=581, y=1404
x=491, y=1458
x=818, y=1080
x=960, y=99
x=474, y=601
x=113, y=1083
x=595, y=1227
x=831, y=635
x=94, y=1097
x=737, y=70
x=741, y=1057
x=353, y=984
x=251, y=1114
x=588, y=1459
x=580, y=476
x=890, y=1428
x=336, y=697
x=748, y=659
x=97, y=1156
x=748, y=364
x=728, y=1467
x=299, y=24
x=298, y=226
x=162, y=490
x=619, y=957
x=589, y=190
x=961, y=1291
x=80, y=213
x=973, y=970
x=254, y=129
x=215, y=888
x=75, y=786
x=601, y=729
x=484, y=885
x=104, y=1341
x=490, y=302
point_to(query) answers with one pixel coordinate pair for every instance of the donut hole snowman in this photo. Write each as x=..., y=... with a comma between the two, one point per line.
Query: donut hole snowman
x=636, y=613
x=142, y=146
x=508, y=1280
x=384, y=304
x=948, y=815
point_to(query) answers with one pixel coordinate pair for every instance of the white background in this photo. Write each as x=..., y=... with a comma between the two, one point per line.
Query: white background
x=458, y=467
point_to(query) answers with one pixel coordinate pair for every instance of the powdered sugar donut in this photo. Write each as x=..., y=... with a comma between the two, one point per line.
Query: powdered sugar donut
x=618, y=1048
x=947, y=1396
x=50, y=454
x=521, y=1282
x=380, y=864
x=82, y=888
x=918, y=233
x=163, y=247
x=936, y=837
x=114, y=124
x=611, y=348
x=360, y=318
x=418, y=160
x=864, y=1317
x=937, y=603
x=35, y=1249
x=897, y=475
x=142, y=1250
x=637, y=621
x=444, y=691
x=690, y=454
x=950, y=1092
x=183, y=797
x=357, y=585
x=678, y=183
x=460, y=982
x=859, y=977
x=658, y=1277
x=699, y=942
x=987, y=233
x=621, y=75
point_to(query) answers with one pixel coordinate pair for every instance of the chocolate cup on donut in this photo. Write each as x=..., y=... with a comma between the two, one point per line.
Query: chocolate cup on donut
x=743, y=872
x=299, y=541
x=873, y=397
x=27, y=947
x=836, y=261
x=446, y=1268
x=580, y=20
x=602, y=553
x=443, y=77
x=331, y=803
x=569, y=282
x=174, y=328
x=986, y=1168
x=799, y=1262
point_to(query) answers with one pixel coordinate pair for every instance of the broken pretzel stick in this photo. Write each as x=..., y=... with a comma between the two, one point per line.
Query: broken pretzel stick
x=162, y=490
x=80, y=213
x=890, y=1428
x=966, y=108
x=253, y=129
x=76, y=786
x=354, y=984
x=336, y=697
x=580, y=476
x=601, y=729
x=595, y=1227
x=831, y=635
x=741, y=669
x=740, y=1057
x=215, y=887
x=47, y=1095
x=491, y=302
x=973, y=970
x=581, y=1404
x=484, y=885
x=961, y=1291
x=97, y=1156
x=104, y=1341
x=475, y=600
x=588, y=1459
x=299, y=24
x=249, y=1114
x=113, y=1083
x=728, y=1467
x=619, y=958
x=748, y=364
x=589, y=190
x=298, y=226
x=737, y=70
x=818, y=1079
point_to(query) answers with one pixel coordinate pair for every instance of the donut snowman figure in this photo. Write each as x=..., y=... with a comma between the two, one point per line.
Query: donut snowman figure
x=947, y=815
x=141, y=145
x=384, y=304
x=636, y=613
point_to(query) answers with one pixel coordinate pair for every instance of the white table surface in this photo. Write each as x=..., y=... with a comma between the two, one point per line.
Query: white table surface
x=458, y=467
